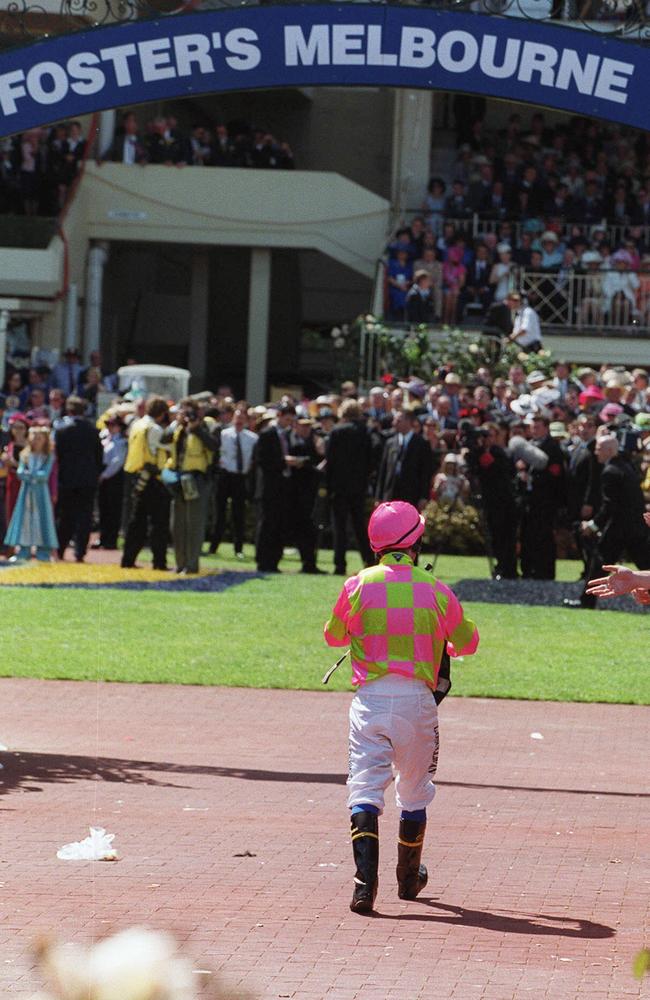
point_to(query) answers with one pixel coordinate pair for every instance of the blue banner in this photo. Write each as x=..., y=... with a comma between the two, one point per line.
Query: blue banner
x=345, y=45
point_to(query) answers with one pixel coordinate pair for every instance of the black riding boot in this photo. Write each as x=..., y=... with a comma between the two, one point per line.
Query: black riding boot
x=365, y=845
x=411, y=875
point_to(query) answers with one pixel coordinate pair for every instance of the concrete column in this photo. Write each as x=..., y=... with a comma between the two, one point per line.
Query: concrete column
x=199, y=303
x=106, y=132
x=97, y=257
x=4, y=326
x=412, y=130
x=259, y=297
x=70, y=317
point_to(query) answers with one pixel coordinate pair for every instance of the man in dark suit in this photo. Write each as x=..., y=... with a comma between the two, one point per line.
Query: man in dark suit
x=491, y=467
x=273, y=465
x=545, y=494
x=303, y=487
x=479, y=192
x=641, y=211
x=583, y=486
x=128, y=146
x=478, y=289
x=406, y=465
x=618, y=524
x=79, y=455
x=348, y=454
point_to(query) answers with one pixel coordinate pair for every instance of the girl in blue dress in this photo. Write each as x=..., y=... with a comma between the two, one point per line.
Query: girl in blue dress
x=32, y=522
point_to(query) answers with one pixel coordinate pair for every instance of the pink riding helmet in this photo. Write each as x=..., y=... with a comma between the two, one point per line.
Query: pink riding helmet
x=394, y=525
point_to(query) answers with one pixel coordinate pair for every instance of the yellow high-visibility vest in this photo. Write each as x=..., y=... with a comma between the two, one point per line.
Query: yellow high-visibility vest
x=139, y=454
x=196, y=457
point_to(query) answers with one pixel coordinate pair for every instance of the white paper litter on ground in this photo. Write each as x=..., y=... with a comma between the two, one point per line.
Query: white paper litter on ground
x=536, y=736
x=96, y=847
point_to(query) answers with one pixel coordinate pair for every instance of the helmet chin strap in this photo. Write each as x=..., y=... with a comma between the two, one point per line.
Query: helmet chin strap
x=414, y=548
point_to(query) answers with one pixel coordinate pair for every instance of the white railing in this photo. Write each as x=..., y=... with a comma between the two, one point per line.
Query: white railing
x=576, y=301
x=476, y=226
x=599, y=300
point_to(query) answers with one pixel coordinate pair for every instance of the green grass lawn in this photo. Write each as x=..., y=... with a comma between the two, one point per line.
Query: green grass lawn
x=268, y=633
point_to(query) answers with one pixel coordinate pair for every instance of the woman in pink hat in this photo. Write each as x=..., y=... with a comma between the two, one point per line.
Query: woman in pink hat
x=397, y=619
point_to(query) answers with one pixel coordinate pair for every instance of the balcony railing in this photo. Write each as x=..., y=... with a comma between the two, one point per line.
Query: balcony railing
x=605, y=303
x=29, y=19
x=476, y=226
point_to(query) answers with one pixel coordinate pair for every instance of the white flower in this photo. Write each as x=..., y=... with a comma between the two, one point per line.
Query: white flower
x=473, y=348
x=336, y=332
x=345, y=329
x=135, y=964
x=369, y=318
x=339, y=342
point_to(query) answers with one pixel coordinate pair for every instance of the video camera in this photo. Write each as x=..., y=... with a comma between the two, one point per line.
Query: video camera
x=628, y=435
x=470, y=436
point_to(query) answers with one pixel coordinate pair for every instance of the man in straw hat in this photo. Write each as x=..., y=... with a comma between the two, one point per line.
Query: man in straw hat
x=396, y=618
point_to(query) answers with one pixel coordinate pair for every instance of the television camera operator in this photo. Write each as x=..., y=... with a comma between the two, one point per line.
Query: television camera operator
x=491, y=471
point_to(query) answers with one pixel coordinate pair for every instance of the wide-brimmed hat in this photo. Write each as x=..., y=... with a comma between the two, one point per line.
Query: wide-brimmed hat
x=549, y=235
x=558, y=430
x=546, y=396
x=609, y=411
x=19, y=418
x=591, y=392
x=523, y=405
x=536, y=378
x=415, y=386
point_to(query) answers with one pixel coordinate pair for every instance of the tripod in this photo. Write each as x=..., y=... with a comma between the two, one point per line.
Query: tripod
x=476, y=500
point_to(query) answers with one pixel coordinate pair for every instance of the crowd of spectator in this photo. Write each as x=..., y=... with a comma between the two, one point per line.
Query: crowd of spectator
x=533, y=452
x=38, y=167
x=233, y=144
x=562, y=213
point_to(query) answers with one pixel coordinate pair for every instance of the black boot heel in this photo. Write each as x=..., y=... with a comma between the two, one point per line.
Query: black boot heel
x=365, y=846
x=411, y=875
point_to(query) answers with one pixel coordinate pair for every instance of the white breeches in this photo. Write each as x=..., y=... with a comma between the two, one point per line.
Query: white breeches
x=393, y=726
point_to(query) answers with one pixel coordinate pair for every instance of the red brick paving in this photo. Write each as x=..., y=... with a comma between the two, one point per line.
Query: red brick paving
x=538, y=850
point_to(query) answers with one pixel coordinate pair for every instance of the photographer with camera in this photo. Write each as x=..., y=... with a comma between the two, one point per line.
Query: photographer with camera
x=193, y=444
x=149, y=500
x=491, y=471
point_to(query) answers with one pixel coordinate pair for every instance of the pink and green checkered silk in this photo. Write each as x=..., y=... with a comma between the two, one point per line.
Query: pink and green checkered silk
x=396, y=618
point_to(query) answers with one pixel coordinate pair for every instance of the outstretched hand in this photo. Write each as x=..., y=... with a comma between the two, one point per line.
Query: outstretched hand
x=620, y=581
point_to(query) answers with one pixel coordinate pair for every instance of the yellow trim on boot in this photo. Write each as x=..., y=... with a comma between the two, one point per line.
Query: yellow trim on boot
x=364, y=833
x=410, y=843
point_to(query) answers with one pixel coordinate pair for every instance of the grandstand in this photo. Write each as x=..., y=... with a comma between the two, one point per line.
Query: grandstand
x=229, y=232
